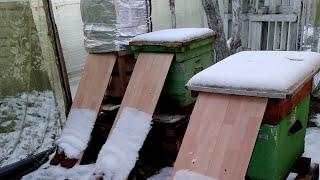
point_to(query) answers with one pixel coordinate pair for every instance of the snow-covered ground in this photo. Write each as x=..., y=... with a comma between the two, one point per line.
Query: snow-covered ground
x=312, y=144
x=312, y=149
x=312, y=141
x=163, y=174
x=48, y=172
x=29, y=123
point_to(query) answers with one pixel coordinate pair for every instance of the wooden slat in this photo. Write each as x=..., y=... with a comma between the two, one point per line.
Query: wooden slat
x=94, y=81
x=92, y=87
x=146, y=82
x=221, y=135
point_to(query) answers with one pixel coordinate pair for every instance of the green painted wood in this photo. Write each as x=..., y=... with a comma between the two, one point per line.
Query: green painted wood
x=188, y=61
x=182, y=53
x=276, y=149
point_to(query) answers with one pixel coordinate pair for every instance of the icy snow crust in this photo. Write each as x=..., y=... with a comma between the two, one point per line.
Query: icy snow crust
x=189, y=175
x=173, y=35
x=120, y=152
x=312, y=144
x=163, y=174
x=77, y=131
x=278, y=71
x=48, y=172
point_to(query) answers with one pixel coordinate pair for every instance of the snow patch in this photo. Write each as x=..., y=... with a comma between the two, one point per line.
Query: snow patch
x=316, y=120
x=163, y=174
x=48, y=172
x=120, y=152
x=29, y=124
x=292, y=176
x=76, y=133
x=259, y=70
x=174, y=35
x=229, y=43
x=312, y=144
x=189, y=175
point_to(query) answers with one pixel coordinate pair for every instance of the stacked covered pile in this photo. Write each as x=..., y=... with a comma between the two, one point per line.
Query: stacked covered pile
x=110, y=24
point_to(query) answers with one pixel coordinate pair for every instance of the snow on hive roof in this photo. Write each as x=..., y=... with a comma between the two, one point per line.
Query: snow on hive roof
x=181, y=35
x=273, y=74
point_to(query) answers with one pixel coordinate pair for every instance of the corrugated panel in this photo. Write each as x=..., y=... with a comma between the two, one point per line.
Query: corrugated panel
x=70, y=27
x=160, y=15
x=189, y=13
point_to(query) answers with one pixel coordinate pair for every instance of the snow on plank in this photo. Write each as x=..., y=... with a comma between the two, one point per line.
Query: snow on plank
x=119, y=154
x=272, y=74
x=85, y=108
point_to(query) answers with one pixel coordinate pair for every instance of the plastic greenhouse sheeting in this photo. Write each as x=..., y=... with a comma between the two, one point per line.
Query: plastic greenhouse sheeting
x=32, y=102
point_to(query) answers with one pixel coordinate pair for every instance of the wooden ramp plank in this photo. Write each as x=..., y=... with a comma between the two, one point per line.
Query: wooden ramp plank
x=94, y=81
x=146, y=82
x=92, y=87
x=221, y=135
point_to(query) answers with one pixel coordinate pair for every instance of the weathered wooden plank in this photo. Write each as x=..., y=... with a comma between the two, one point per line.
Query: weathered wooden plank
x=283, y=37
x=256, y=33
x=277, y=34
x=221, y=135
x=274, y=17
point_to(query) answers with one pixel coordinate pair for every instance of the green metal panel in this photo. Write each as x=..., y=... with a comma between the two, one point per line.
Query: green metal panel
x=277, y=148
x=188, y=61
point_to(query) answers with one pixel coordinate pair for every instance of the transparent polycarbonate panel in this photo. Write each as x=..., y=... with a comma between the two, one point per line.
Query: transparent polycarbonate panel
x=32, y=106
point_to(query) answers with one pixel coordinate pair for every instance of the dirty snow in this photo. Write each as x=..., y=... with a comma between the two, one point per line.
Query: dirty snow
x=259, y=70
x=312, y=144
x=48, y=172
x=77, y=131
x=189, y=175
x=292, y=176
x=163, y=174
x=316, y=120
x=173, y=35
x=120, y=152
x=168, y=118
x=29, y=123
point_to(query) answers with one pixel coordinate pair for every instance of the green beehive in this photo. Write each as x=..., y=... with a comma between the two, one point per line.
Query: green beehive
x=279, y=146
x=192, y=54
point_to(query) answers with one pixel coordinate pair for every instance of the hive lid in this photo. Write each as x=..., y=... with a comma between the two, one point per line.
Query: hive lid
x=272, y=74
x=172, y=37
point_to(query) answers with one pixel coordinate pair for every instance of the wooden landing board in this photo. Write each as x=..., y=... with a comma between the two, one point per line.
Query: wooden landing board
x=146, y=82
x=221, y=135
x=94, y=81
